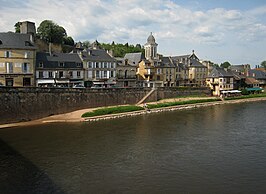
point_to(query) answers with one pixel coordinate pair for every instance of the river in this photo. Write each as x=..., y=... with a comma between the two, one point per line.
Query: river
x=217, y=149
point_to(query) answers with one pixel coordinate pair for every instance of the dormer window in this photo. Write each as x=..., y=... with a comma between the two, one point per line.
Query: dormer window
x=27, y=43
x=78, y=64
x=27, y=55
x=41, y=64
x=7, y=54
x=61, y=64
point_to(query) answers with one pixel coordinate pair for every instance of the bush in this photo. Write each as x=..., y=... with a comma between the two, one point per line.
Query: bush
x=244, y=92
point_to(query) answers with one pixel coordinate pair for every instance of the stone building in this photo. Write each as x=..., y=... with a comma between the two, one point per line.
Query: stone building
x=99, y=67
x=59, y=69
x=126, y=69
x=219, y=80
x=196, y=72
x=17, y=57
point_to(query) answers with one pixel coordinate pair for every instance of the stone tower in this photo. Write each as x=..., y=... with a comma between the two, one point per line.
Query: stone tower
x=150, y=48
x=27, y=27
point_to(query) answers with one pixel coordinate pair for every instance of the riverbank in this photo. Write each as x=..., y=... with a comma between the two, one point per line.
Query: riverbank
x=76, y=115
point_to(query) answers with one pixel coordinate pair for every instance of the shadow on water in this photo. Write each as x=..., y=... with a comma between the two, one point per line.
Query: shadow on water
x=19, y=175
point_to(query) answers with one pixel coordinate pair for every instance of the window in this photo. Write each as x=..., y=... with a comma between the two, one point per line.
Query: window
x=7, y=54
x=105, y=74
x=27, y=55
x=158, y=77
x=50, y=74
x=26, y=81
x=40, y=74
x=41, y=64
x=90, y=64
x=61, y=74
x=9, y=68
x=61, y=64
x=97, y=65
x=97, y=74
x=89, y=74
x=9, y=81
x=111, y=73
x=25, y=68
x=78, y=64
x=78, y=73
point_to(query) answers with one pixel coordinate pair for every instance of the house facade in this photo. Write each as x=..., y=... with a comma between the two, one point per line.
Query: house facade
x=17, y=59
x=195, y=72
x=99, y=67
x=219, y=80
x=59, y=69
x=126, y=69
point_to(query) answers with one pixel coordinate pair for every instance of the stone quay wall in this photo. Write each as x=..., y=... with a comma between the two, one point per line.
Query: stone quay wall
x=24, y=104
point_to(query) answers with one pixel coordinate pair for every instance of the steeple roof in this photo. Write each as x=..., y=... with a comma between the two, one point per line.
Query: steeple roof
x=151, y=39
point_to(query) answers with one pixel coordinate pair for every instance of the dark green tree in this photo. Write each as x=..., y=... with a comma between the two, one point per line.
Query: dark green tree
x=17, y=27
x=225, y=64
x=51, y=32
x=68, y=40
x=263, y=64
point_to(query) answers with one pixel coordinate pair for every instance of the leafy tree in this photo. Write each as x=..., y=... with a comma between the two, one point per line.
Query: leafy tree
x=215, y=65
x=263, y=64
x=225, y=64
x=68, y=40
x=86, y=44
x=51, y=32
x=17, y=27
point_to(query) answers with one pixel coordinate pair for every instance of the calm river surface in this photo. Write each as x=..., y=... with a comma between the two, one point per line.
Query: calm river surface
x=218, y=149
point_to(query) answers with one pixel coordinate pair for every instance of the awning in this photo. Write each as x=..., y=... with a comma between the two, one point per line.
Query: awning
x=62, y=81
x=253, y=89
x=230, y=91
x=45, y=81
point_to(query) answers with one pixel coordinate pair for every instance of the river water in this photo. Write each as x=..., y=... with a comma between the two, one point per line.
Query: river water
x=217, y=149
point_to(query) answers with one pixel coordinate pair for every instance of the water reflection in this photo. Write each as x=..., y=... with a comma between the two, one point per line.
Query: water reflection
x=219, y=149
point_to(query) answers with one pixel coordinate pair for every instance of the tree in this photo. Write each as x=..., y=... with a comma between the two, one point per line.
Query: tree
x=225, y=64
x=68, y=40
x=263, y=64
x=17, y=27
x=51, y=32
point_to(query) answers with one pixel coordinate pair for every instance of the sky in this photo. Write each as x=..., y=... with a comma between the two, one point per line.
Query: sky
x=218, y=30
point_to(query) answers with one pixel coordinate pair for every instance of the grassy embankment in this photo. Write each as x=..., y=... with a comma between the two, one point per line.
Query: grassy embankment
x=123, y=109
x=176, y=103
x=112, y=110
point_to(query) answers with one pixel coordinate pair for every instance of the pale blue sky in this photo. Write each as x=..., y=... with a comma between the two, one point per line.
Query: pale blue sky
x=218, y=30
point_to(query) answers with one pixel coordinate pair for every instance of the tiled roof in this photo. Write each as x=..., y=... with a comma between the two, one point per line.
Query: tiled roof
x=134, y=58
x=196, y=63
x=220, y=72
x=97, y=55
x=251, y=80
x=10, y=40
x=52, y=61
x=257, y=74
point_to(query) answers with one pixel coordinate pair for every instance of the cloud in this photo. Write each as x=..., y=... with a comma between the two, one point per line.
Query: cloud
x=132, y=21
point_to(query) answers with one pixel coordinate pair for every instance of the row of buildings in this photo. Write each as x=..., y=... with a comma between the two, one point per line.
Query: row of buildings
x=23, y=64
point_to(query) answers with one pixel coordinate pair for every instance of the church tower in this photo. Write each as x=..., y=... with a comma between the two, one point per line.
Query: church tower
x=150, y=48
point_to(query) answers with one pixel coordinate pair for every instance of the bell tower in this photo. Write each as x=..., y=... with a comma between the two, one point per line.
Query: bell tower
x=150, y=48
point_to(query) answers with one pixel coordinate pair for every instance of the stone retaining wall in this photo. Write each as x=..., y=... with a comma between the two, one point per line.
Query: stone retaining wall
x=24, y=104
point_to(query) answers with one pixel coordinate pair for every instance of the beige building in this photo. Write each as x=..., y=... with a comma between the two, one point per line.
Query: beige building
x=17, y=59
x=194, y=72
x=220, y=80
